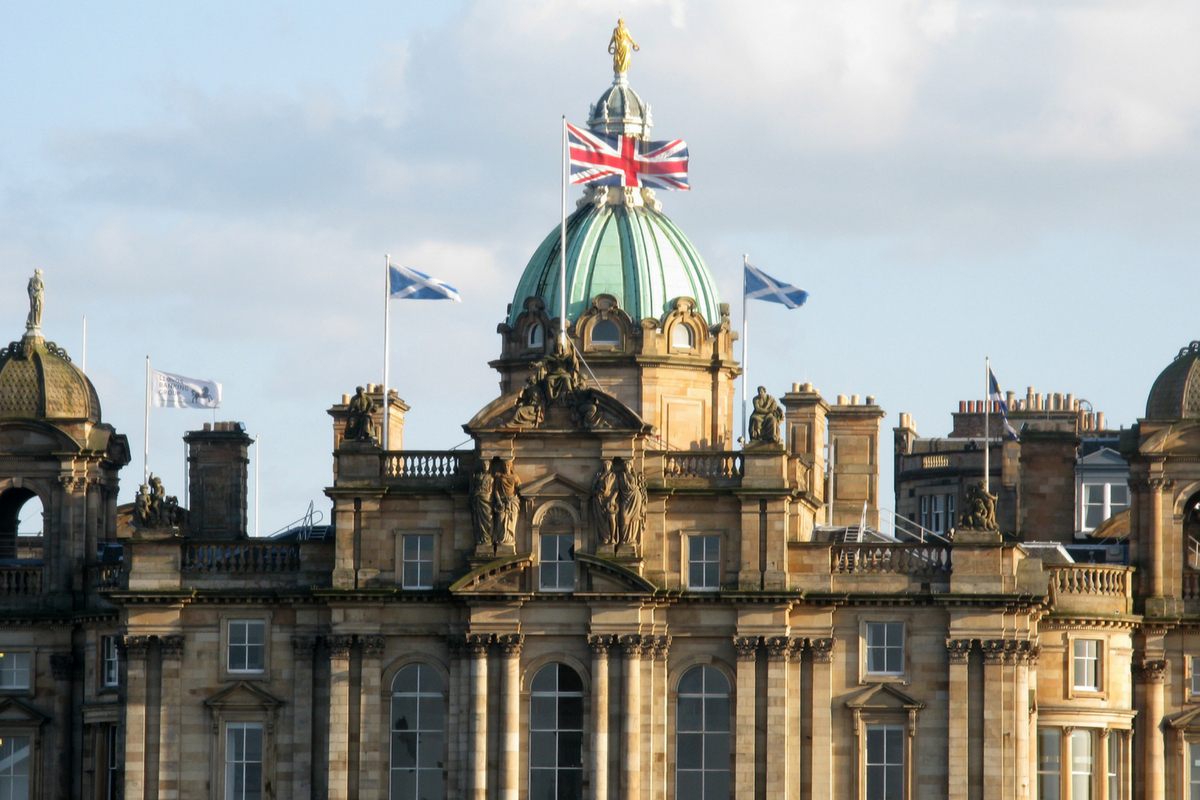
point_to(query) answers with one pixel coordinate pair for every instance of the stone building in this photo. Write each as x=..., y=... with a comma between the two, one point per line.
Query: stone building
x=603, y=598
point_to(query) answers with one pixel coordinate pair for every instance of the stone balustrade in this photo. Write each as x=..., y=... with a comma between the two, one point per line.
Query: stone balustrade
x=105, y=577
x=1091, y=588
x=893, y=559
x=239, y=557
x=20, y=581
x=425, y=466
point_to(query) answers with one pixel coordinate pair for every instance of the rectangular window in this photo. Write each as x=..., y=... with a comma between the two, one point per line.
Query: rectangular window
x=938, y=517
x=14, y=670
x=247, y=645
x=1194, y=770
x=243, y=760
x=112, y=764
x=1083, y=761
x=704, y=562
x=1114, y=766
x=1101, y=501
x=950, y=520
x=1049, y=763
x=1194, y=662
x=1087, y=664
x=110, y=661
x=885, y=762
x=924, y=512
x=885, y=648
x=14, y=768
x=418, y=561
x=557, y=571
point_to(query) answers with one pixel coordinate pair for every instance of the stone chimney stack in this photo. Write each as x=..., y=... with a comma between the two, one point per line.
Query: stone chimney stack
x=854, y=446
x=805, y=431
x=218, y=465
x=1047, y=483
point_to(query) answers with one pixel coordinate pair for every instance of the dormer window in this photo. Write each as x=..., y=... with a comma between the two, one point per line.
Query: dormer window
x=534, y=338
x=606, y=332
x=682, y=337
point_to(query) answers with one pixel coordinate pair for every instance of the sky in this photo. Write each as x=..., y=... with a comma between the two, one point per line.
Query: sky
x=215, y=186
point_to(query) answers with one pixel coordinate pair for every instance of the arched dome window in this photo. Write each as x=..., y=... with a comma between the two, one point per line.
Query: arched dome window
x=606, y=332
x=702, y=741
x=418, y=733
x=20, y=512
x=534, y=338
x=556, y=733
x=682, y=337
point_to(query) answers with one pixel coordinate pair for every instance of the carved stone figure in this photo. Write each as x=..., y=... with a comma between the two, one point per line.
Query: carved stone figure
x=481, y=506
x=36, y=289
x=359, y=427
x=631, y=493
x=530, y=410
x=563, y=375
x=621, y=46
x=153, y=508
x=764, y=422
x=980, y=511
x=586, y=413
x=506, y=502
x=605, y=503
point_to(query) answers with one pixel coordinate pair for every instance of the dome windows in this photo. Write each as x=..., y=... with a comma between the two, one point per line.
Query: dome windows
x=682, y=337
x=606, y=332
x=534, y=336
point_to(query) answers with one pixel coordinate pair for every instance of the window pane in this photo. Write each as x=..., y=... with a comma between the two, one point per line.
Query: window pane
x=696, y=575
x=541, y=784
x=1118, y=497
x=690, y=714
x=690, y=753
x=692, y=682
x=542, y=713
x=570, y=713
x=404, y=750
x=543, y=749
x=405, y=680
x=568, y=679
x=716, y=713
x=689, y=784
x=432, y=711
x=546, y=679
x=570, y=750
x=716, y=751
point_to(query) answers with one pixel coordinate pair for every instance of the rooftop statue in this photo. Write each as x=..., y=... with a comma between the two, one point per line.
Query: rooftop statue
x=358, y=419
x=622, y=47
x=33, y=322
x=980, y=513
x=154, y=508
x=764, y=422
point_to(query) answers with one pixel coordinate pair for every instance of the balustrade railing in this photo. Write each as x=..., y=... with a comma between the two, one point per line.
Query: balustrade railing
x=687, y=464
x=423, y=464
x=20, y=581
x=897, y=559
x=1091, y=579
x=106, y=577
x=240, y=558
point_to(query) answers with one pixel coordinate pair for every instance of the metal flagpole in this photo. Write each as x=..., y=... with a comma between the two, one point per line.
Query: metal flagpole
x=146, y=442
x=987, y=411
x=562, y=245
x=387, y=321
x=745, y=337
x=83, y=361
x=257, y=453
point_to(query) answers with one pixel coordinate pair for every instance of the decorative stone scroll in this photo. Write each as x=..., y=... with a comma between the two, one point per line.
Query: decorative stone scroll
x=600, y=644
x=661, y=647
x=477, y=644
x=510, y=643
x=994, y=650
x=304, y=646
x=779, y=648
x=631, y=645
x=136, y=646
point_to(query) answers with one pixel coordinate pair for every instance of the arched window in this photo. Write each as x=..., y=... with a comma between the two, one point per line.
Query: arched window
x=606, y=332
x=19, y=511
x=682, y=336
x=702, y=745
x=418, y=734
x=535, y=336
x=556, y=734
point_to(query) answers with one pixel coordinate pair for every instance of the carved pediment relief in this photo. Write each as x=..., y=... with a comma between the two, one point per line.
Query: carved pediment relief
x=579, y=409
x=243, y=696
x=515, y=574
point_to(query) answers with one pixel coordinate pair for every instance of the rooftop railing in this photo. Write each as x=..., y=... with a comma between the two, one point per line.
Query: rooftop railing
x=693, y=464
x=240, y=558
x=1093, y=579
x=20, y=581
x=894, y=559
x=425, y=465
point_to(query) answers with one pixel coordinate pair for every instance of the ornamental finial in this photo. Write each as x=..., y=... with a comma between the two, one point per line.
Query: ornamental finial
x=621, y=46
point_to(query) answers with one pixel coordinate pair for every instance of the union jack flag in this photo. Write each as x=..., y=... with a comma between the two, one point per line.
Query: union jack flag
x=613, y=160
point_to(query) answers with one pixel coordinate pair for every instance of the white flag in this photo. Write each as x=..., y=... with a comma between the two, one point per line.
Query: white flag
x=176, y=391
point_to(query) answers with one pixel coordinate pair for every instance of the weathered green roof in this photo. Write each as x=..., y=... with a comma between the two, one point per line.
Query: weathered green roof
x=635, y=253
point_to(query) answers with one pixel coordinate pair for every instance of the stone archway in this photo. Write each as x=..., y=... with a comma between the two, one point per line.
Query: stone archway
x=11, y=503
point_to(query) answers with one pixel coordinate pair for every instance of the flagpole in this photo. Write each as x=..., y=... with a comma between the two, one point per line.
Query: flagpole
x=987, y=411
x=257, y=452
x=387, y=321
x=146, y=438
x=83, y=364
x=745, y=338
x=562, y=245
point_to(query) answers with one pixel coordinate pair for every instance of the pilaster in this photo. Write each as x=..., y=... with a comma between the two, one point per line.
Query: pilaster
x=169, y=733
x=370, y=720
x=957, y=761
x=820, y=705
x=993, y=719
x=477, y=651
x=339, y=716
x=631, y=727
x=303, y=650
x=1152, y=674
x=136, y=648
x=510, y=699
x=746, y=648
x=599, y=749
x=779, y=651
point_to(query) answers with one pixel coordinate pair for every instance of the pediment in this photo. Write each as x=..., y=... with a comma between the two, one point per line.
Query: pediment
x=586, y=410
x=884, y=697
x=554, y=485
x=502, y=575
x=15, y=711
x=510, y=574
x=1104, y=457
x=243, y=695
x=1181, y=437
x=1185, y=719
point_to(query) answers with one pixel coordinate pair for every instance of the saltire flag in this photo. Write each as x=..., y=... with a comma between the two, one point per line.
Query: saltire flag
x=761, y=286
x=995, y=396
x=408, y=284
x=610, y=159
x=178, y=391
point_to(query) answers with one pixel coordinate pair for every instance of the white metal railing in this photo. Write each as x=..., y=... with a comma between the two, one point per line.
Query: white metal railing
x=905, y=529
x=1193, y=552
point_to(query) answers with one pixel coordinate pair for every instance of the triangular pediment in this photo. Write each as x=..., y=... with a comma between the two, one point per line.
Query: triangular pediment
x=1104, y=457
x=554, y=485
x=1185, y=719
x=13, y=710
x=884, y=697
x=243, y=695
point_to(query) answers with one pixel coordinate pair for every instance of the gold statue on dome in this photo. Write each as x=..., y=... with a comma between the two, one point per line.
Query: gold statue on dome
x=622, y=47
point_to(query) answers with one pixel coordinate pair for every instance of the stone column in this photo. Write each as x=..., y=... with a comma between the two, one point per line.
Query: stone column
x=599, y=752
x=658, y=716
x=1152, y=674
x=477, y=650
x=169, y=756
x=820, y=706
x=1156, y=537
x=778, y=753
x=455, y=726
x=993, y=719
x=746, y=648
x=135, y=716
x=1126, y=764
x=1102, y=764
x=631, y=723
x=957, y=756
x=371, y=779
x=303, y=648
x=339, y=716
x=62, y=667
x=510, y=694
x=1027, y=656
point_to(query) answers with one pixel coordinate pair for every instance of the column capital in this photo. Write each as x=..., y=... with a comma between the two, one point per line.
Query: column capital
x=746, y=647
x=62, y=666
x=779, y=648
x=994, y=650
x=822, y=649
x=959, y=650
x=1030, y=651
x=631, y=645
x=172, y=646
x=304, y=646
x=372, y=646
x=477, y=644
x=600, y=643
x=661, y=647
x=136, y=646
x=339, y=646
x=1104, y=732
x=510, y=643
x=1151, y=671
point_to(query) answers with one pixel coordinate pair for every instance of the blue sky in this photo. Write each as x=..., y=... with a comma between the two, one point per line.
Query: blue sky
x=215, y=186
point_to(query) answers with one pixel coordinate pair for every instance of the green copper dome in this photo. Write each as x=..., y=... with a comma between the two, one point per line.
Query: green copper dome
x=631, y=251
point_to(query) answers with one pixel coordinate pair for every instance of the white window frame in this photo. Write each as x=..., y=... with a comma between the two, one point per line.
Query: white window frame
x=937, y=516
x=543, y=561
x=229, y=792
x=1106, y=504
x=950, y=512
x=23, y=660
x=1078, y=735
x=1078, y=660
x=895, y=769
x=707, y=564
x=535, y=336
x=1191, y=780
x=924, y=513
x=110, y=662
x=1057, y=772
x=1193, y=678
x=868, y=675
x=228, y=674
x=405, y=559
x=7, y=778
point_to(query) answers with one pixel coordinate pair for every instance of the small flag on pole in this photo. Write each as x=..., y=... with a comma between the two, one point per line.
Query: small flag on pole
x=408, y=284
x=610, y=159
x=997, y=397
x=761, y=286
x=177, y=391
